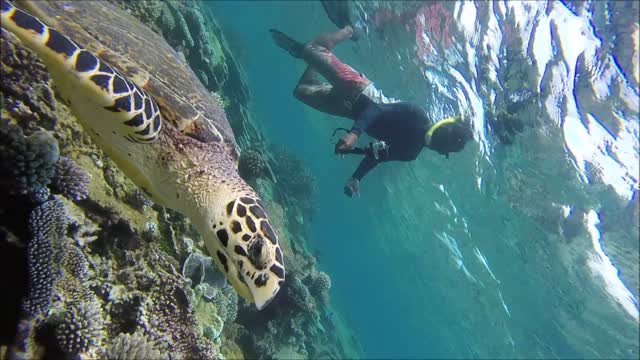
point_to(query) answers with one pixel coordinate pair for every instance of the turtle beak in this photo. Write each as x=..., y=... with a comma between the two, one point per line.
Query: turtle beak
x=262, y=303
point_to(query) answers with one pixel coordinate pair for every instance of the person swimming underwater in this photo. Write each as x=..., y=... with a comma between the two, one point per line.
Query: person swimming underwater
x=401, y=128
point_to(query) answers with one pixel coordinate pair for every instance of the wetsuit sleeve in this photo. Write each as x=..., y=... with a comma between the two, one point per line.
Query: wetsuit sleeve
x=368, y=163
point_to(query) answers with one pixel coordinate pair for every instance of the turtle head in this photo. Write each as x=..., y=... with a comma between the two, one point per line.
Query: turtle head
x=247, y=250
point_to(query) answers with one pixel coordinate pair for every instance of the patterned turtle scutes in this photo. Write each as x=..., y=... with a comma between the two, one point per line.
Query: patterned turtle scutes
x=133, y=109
x=255, y=250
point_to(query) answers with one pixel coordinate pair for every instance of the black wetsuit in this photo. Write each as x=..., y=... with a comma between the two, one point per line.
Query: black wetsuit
x=401, y=125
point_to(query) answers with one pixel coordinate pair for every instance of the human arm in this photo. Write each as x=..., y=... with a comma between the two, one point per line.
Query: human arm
x=353, y=183
x=367, y=117
x=346, y=143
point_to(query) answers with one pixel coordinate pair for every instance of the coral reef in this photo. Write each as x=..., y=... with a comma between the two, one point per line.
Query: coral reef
x=27, y=163
x=70, y=180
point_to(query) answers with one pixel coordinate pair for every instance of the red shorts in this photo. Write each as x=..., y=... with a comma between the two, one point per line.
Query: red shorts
x=340, y=75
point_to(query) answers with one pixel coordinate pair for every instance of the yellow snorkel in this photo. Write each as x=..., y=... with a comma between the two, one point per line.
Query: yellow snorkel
x=434, y=127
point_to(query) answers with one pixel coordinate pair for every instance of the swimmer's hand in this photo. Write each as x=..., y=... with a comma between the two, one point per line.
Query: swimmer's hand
x=352, y=187
x=346, y=142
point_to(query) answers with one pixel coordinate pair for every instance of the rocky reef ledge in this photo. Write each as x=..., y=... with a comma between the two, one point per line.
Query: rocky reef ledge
x=93, y=269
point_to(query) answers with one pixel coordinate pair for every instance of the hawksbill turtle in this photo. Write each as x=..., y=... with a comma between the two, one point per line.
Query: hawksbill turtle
x=148, y=112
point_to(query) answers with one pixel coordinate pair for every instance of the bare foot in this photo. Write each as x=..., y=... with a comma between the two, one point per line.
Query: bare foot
x=347, y=31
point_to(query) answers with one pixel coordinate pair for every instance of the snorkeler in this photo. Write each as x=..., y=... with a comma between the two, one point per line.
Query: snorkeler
x=402, y=129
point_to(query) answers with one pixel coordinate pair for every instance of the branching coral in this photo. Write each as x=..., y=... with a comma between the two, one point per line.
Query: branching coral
x=226, y=302
x=27, y=163
x=133, y=346
x=146, y=292
x=167, y=317
x=319, y=284
x=44, y=253
x=70, y=180
x=23, y=85
x=298, y=294
x=80, y=327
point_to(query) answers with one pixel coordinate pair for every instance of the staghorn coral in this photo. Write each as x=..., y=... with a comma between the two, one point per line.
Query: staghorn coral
x=44, y=253
x=80, y=327
x=133, y=346
x=27, y=163
x=251, y=164
x=70, y=180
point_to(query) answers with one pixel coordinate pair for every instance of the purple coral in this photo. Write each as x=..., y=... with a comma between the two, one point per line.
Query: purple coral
x=70, y=180
x=80, y=327
x=44, y=254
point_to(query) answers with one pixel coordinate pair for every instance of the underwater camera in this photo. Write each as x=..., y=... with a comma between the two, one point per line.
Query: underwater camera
x=378, y=149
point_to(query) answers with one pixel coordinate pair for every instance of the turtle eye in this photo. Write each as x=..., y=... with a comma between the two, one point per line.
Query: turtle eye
x=258, y=254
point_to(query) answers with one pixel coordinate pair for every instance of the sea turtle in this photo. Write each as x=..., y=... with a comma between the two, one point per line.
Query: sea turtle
x=147, y=110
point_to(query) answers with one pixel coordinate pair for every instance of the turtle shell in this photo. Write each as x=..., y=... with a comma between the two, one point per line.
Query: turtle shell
x=145, y=58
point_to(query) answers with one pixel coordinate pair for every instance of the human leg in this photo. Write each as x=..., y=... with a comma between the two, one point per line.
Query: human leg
x=319, y=95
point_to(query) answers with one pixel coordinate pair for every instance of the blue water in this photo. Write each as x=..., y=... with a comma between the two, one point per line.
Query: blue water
x=473, y=256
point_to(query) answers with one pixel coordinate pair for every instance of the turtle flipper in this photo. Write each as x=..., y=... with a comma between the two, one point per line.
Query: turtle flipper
x=88, y=83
